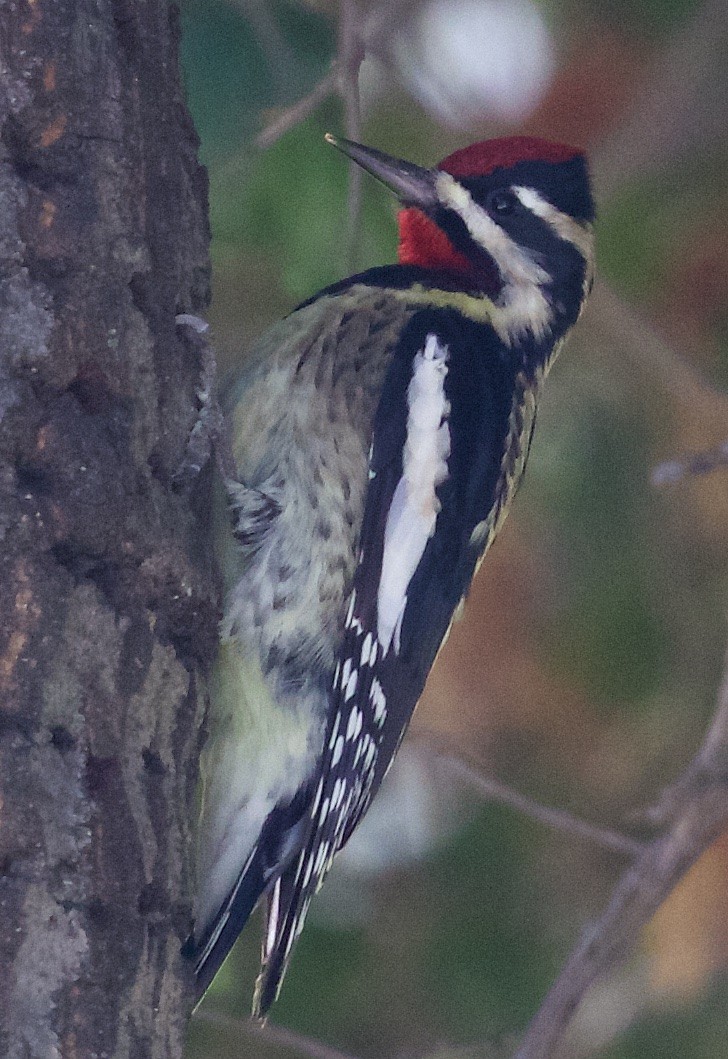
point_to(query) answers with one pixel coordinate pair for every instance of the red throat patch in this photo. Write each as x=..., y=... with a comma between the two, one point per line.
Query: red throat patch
x=422, y=243
x=480, y=159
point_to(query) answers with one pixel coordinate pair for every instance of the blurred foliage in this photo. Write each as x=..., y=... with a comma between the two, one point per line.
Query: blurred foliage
x=653, y=18
x=699, y=1032
x=608, y=613
x=595, y=632
x=232, y=65
x=267, y=217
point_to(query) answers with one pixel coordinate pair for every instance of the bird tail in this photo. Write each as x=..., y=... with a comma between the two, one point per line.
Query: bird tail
x=210, y=950
x=286, y=912
x=291, y=896
x=273, y=868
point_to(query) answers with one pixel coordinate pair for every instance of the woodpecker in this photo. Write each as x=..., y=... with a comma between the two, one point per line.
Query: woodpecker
x=378, y=435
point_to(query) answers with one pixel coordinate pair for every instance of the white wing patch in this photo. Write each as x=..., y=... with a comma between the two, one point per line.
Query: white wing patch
x=415, y=506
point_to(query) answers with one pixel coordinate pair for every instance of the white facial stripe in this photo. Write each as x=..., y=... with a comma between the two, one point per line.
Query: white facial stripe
x=561, y=224
x=522, y=305
x=565, y=227
x=414, y=508
x=516, y=266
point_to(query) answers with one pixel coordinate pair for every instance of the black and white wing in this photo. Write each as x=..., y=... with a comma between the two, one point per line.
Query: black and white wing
x=448, y=439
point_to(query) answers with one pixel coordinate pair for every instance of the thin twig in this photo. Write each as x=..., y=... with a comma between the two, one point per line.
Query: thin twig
x=472, y=771
x=351, y=55
x=644, y=346
x=380, y=20
x=357, y=35
x=682, y=110
x=297, y=113
x=370, y=33
x=708, y=767
x=697, y=805
x=297, y=1042
x=343, y=78
x=672, y=471
x=280, y=58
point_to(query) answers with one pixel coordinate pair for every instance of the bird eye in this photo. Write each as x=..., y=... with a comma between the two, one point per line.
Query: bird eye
x=502, y=203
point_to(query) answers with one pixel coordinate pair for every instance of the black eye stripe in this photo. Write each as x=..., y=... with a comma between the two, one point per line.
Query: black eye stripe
x=564, y=184
x=502, y=202
x=457, y=232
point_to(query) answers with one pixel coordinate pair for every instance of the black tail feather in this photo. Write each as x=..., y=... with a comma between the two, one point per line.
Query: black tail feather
x=278, y=845
x=211, y=949
x=281, y=932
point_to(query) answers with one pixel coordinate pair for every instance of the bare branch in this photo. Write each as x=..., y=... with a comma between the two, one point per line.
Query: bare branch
x=683, y=109
x=697, y=806
x=672, y=471
x=351, y=56
x=357, y=36
x=712, y=757
x=640, y=341
x=342, y=78
x=380, y=20
x=296, y=1042
x=472, y=772
x=294, y=115
x=281, y=59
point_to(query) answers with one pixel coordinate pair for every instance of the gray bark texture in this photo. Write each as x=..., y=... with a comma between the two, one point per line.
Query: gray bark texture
x=107, y=614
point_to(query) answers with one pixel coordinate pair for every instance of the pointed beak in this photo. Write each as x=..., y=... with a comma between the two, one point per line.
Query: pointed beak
x=413, y=185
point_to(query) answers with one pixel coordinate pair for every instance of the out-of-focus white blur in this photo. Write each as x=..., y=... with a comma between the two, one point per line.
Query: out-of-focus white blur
x=470, y=61
x=417, y=807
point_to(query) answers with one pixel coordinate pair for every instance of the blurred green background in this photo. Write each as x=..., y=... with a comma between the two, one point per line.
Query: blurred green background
x=586, y=669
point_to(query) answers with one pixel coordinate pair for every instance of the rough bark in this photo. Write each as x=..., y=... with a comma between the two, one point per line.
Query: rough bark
x=106, y=612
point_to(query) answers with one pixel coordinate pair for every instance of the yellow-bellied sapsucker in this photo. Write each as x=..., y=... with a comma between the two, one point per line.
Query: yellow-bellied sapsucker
x=379, y=433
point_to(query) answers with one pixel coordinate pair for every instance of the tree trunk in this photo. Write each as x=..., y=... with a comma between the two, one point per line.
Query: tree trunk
x=107, y=614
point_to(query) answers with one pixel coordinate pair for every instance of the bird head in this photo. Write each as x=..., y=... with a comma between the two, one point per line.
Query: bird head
x=510, y=218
